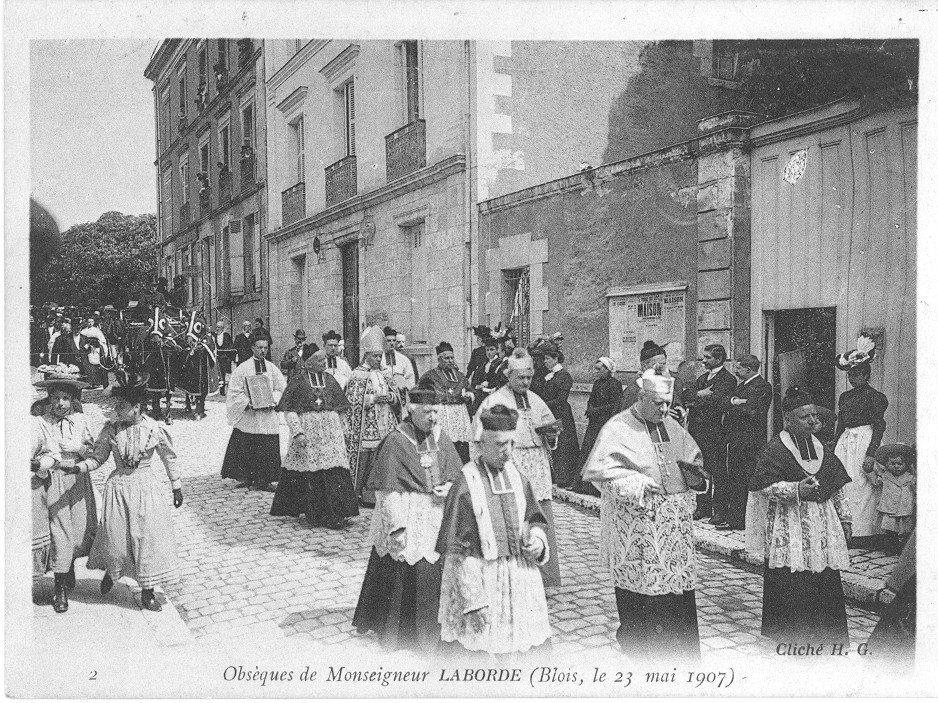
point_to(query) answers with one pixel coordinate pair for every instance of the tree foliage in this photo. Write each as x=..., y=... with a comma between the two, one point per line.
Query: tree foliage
x=784, y=77
x=117, y=245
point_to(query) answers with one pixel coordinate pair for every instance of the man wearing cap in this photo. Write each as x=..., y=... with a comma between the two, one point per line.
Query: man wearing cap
x=647, y=468
x=253, y=454
x=655, y=356
x=493, y=538
x=372, y=397
x=709, y=397
x=412, y=473
x=798, y=520
x=295, y=356
x=397, y=365
x=336, y=365
x=530, y=454
x=452, y=388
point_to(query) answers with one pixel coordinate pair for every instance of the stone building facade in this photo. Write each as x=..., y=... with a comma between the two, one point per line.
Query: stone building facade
x=211, y=162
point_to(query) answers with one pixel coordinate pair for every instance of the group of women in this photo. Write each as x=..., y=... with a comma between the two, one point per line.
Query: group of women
x=134, y=536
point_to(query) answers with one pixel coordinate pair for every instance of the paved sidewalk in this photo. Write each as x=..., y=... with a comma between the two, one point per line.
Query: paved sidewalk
x=868, y=569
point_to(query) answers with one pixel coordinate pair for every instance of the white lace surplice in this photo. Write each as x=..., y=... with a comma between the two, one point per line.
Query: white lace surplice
x=418, y=513
x=648, y=549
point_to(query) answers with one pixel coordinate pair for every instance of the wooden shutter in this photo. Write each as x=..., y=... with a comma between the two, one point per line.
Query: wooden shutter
x=350, y=117
x=300, y=150
x=236, y=243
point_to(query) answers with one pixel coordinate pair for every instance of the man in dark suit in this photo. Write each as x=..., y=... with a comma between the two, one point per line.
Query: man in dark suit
x=224, y=350
x=295, y=357
x=705, y=424
x=746, y=425
x=243, y=342
x=69, y=348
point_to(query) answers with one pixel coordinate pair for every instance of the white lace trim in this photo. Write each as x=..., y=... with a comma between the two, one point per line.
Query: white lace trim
x=512, y=591
x=420, y=514
x=533, y=463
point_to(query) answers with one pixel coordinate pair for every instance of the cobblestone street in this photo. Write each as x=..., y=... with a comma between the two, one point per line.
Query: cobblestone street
x=247, y=575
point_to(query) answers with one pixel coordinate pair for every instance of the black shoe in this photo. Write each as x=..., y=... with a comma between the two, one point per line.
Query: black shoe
x=725, y=527
x=59, y=596
x=244, y=484
x=149, y=601
x=717, y=520
x=107, y=583
x=701, y=514
x=266, y=487
x=70, y=578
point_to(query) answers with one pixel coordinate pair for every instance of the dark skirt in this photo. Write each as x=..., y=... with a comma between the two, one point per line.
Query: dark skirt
x=254, y=458
x=565, y=458
x=589, y=439
x=401, y=603
x=326, y=497
x=658, y=628
x=804, y=607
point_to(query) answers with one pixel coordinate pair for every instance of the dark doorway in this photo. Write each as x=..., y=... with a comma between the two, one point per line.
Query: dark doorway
x=800, y=344
x=350, y=302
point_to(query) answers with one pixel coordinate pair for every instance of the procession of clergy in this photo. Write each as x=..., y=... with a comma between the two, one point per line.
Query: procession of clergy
x=462, y=533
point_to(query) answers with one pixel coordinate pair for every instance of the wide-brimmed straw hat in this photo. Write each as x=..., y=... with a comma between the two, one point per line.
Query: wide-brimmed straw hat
x=906, y=451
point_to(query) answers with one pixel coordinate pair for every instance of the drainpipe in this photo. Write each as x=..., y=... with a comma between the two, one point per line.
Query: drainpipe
x=468, y=199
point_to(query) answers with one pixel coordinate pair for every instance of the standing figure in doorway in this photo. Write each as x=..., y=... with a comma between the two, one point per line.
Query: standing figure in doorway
x=861, y=424
x=397, y=366
x=242, y=343
x=224, y=349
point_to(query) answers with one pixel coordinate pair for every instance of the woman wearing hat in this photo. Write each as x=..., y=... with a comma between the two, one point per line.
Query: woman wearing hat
x=136, y=536
x=604, y=401
x=860, y=427
x=555, y=392
x=452, y=388
x=73, y=516
x=42, y=462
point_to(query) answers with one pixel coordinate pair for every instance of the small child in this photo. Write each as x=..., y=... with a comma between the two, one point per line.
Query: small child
x=897, y=502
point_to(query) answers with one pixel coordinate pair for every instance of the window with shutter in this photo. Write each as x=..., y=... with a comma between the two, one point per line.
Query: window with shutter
x=300, y=151
x=350, y=118
x=236, y=256
x=184, y=178
x=412, y=80
x=182, y=94
x=168, y=202
x=248, y=249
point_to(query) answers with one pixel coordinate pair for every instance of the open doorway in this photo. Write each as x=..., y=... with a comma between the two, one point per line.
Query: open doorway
x=800, y=350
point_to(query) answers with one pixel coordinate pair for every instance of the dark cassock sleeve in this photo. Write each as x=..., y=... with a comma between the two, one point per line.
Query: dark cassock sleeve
x=771, y=467
x=878, y=406
x=450, y=463
x=336, y=397
x=533, y=514
x=459, y=533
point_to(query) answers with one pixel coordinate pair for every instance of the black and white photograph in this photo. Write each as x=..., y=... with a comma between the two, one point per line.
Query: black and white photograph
x=468, y=349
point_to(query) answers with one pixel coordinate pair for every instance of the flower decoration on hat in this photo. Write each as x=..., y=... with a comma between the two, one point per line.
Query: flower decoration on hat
x=863, y=354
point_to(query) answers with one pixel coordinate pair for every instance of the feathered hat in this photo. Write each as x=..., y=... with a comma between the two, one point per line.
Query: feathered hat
x=864, y=353
x=130, y=387
x=500, y=334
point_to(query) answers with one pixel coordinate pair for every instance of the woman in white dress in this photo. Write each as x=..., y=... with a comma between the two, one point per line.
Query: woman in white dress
x=136, y=536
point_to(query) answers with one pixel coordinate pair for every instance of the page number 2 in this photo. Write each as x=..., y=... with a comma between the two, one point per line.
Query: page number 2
x=94, y=676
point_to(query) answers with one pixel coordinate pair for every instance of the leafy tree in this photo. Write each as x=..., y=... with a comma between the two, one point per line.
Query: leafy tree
x=122, y=246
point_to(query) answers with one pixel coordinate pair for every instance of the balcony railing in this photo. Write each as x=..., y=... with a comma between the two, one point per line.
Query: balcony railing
x=205, y=201
x=247, y=171
x=341, y=180
x=406, y=150
x=185, y=215
x=224, y=186
x=294, y=204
